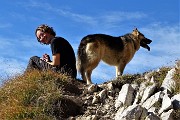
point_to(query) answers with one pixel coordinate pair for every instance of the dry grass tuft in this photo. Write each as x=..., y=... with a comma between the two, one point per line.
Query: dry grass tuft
x=30, y=96
x=176, y=89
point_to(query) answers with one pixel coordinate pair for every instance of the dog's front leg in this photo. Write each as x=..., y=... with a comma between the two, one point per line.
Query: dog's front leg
x=118, y=72
x=120, y=69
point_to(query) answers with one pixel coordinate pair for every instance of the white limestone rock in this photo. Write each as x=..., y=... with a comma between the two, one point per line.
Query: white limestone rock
x=126, y=95
x=134, y=112
x=136, y=100
x=142, y=88
x=167, y=115
x=168, y=82
x=148, y=92
x=95, y=99
x=166, y=104
x=152, y=100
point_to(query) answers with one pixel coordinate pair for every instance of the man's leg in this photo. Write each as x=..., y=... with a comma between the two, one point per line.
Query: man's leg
x=36, y=63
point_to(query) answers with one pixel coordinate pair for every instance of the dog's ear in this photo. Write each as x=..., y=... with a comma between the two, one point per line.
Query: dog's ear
x=135, y=32
x=135, y=29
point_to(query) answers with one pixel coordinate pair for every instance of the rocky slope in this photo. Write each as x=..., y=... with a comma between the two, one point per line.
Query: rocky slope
x=153, y=95
x=133, y=97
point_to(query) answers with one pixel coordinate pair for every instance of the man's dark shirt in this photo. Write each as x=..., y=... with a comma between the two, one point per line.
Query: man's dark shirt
x=67, y=55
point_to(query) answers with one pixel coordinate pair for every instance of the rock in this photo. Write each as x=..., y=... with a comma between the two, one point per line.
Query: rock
x=142, y=88
x=166, y=91
x=110, y=86
x=135, y=86
x=95, y=99
x=167, y=115
x=132, y=101
x=118, y=104
x=166, y=104
x=99, y=97
x=137, y=98
x=126, y=95
x=148, y=92
x=152, y=100
x=134, y=112
x=153, y=110
x=94, y=117
x=168, y=82
x=102, y=95
x=152, y=80
x=148, y=75
x=92, y=88
x=152, y=116
x=176, y=101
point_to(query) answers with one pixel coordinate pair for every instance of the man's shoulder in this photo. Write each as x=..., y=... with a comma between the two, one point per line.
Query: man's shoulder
x=59, y=38
x=60, y=41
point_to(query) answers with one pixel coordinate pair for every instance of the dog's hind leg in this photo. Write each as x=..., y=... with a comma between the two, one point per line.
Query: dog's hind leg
x=88, y=77
x=83, y=76
x=91, y=66
x=93, y=58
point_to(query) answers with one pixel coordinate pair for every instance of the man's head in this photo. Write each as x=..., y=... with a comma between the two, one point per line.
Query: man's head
x=44, y=34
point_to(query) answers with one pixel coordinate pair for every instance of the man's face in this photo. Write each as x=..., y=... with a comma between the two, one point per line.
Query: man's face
x=43, y=37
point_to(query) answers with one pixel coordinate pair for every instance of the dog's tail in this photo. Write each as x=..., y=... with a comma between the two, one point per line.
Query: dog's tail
x=81, y=62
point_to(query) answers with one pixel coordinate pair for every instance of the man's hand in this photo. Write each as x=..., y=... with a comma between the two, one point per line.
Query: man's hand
x=46, y=58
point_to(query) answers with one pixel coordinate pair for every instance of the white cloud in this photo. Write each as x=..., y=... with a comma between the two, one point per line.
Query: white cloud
x=118, y=16
x=106, y=19
x=165, y=39
x=10, y=67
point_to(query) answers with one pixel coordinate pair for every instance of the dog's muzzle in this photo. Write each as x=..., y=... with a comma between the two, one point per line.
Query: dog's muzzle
x=144, y=43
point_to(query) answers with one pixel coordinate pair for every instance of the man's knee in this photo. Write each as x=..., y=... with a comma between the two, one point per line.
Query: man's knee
x=34, y=58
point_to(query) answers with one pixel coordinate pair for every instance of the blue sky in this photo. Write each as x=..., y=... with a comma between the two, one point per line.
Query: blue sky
x=158, y=20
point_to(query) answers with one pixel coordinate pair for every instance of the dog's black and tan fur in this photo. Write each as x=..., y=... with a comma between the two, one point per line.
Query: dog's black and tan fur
x=115, y=51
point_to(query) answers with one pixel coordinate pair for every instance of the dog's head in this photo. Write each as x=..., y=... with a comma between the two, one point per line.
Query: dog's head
x=143, y=40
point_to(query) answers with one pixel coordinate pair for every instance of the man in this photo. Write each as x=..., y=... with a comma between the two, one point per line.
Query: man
x=63, y=56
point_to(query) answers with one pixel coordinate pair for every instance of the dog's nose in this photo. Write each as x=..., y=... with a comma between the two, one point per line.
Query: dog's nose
x=149, y=41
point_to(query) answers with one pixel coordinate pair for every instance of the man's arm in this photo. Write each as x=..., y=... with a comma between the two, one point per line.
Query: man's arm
x=55, y=60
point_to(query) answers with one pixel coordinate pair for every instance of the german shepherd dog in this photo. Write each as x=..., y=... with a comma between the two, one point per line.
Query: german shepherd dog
x=115, y=51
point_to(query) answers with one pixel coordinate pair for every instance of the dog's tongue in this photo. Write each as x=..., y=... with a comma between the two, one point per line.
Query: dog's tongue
x=145, y=46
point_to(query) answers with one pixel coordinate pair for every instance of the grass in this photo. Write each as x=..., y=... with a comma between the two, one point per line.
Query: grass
x=31, y=96
x=160, y=75
x=176, y=89
x=127, y=79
